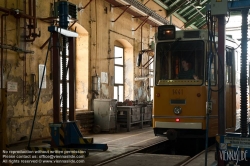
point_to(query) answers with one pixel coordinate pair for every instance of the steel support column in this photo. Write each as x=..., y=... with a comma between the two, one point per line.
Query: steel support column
x=72, y=78
x=243, y=74
x=56, y=79
x=221, y=80
x=221, y=74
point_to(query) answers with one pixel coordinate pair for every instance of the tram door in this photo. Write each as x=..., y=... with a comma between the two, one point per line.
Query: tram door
x=230, y=88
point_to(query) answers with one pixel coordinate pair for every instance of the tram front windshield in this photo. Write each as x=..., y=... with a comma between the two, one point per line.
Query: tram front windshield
x=170, y=68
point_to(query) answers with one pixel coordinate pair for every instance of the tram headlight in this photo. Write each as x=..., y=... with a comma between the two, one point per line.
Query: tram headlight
x=177, y=110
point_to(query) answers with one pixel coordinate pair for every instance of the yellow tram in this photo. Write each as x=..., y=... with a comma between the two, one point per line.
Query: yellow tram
x=180, y=104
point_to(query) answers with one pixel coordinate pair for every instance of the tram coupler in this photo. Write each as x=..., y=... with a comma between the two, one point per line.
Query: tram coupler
x=232, y=148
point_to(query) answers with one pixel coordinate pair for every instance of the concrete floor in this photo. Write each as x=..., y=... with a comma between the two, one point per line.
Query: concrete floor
x=199, y=160
x=142, y=159
x=119, y=144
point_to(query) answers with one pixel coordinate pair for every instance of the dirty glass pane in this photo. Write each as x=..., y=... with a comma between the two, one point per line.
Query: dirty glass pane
x=151, y=93
x=121, y=94
x=115, y=92
x=118, y=75
x=118, y=93
x=118, y=55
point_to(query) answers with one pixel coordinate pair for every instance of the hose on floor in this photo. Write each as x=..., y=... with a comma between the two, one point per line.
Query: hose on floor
x=39, y=92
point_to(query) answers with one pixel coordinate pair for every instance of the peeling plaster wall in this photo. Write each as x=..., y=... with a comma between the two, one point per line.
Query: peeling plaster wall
x=96, y=41
x=18, y=68
x=82, y=68
x=129, y=73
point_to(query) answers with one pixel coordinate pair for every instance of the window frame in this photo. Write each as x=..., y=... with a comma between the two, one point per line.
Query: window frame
x=117, y=86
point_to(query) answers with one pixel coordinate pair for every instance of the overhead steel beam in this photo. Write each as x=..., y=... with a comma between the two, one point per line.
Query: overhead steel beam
x=166, y=1
x=193, y=9
x=200, y=23
x=153, y=15
x=189, y=11
x=194, y=18
x=201, y=13
x=177, y=15
x=176, y=7
x=173, y=3
x=163, y=5
x=183, y=9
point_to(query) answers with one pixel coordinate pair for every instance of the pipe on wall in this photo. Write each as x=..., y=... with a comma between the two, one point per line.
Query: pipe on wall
x=141, y=45
x=3, y=15
x=32, y=12
x=28, y=36
x=17, y=14
x=31, y=16
x=25, y=58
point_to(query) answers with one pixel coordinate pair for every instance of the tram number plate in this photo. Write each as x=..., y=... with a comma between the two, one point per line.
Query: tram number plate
x=177, y=91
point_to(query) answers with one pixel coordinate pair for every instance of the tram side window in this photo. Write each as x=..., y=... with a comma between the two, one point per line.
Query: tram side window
x=213, y=73
x=229, y=65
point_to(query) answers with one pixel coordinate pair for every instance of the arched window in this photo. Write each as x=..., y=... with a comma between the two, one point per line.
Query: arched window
x=119, y=73
x=151, y=80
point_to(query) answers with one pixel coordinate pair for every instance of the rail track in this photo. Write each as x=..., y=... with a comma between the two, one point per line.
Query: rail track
x=163, y=147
